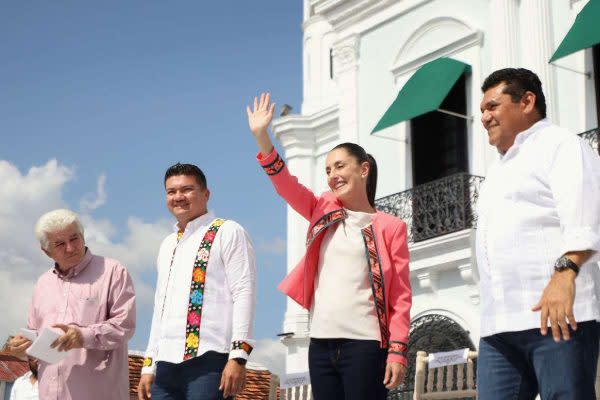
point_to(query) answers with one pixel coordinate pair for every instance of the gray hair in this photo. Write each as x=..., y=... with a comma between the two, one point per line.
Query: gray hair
x=55, y=221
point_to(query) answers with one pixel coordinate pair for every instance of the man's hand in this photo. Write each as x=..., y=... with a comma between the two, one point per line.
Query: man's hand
x=394, y=374
x=144, y=386
x=17, y=346
x=233, y=378
x=72, y=338
x=557, y=304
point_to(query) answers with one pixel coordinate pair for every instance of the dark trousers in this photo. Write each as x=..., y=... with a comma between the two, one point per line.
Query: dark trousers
x=194, y=379
x=347, y=369
x=519, y=365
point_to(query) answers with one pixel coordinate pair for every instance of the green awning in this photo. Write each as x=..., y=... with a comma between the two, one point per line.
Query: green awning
x=584, y=33
x=424, y=92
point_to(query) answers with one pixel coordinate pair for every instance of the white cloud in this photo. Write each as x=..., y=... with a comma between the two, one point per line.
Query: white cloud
x=270, y=353
x=23, y=199
x=91, y=202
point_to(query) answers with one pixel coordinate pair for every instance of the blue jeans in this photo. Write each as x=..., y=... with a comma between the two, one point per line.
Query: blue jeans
x=194, y=379
x=347, y=369
x=519, y=365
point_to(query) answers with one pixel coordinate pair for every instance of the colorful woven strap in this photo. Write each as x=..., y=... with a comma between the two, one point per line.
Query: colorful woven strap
x=194, y=315
x=241, y=345
x=324, y=222
x=377, y=284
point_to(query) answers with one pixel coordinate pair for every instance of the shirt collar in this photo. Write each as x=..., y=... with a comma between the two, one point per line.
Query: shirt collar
x=195, y=224
x=526, y=134
x=76, y=270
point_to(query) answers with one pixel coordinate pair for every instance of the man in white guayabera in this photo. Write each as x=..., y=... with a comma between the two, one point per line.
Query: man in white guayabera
x=538, y=238
x=201, y=333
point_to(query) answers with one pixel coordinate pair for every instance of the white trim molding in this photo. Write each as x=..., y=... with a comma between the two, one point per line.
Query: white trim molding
x=346, y=54
x=406, y=62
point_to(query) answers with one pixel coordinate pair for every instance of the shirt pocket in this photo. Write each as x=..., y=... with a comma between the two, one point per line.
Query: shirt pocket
x=86, y=310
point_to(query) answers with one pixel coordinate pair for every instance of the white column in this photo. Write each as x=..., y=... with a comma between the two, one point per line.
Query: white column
x=504, y=34
x=299, y=145
x=345, y=73
x=537, y=48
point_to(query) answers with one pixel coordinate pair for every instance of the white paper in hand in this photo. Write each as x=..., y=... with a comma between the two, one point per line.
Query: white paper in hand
x=41, y=349
x=28, y=334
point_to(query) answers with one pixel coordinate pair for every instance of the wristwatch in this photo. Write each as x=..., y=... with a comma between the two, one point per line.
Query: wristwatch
x=564, y=263
x=240, y=360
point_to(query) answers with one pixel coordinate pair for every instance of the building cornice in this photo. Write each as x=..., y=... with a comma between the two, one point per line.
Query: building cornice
x=343, y=14
x=301, y=134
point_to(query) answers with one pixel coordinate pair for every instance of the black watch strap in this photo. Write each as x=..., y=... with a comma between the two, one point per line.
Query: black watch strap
x=564, y=263
x=240, y=360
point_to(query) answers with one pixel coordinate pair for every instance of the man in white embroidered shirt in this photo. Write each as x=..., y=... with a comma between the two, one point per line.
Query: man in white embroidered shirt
x=538, y=239
x=204, y=304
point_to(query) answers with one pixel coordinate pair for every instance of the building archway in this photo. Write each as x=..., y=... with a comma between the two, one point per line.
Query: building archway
x=431, y=333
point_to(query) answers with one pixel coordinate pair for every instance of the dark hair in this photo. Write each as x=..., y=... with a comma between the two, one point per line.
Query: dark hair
x=186, y=169
x=361, y=156
x=33, y=367
x=518, y=81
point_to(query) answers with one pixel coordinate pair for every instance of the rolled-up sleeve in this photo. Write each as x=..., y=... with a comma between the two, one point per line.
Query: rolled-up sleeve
x=574, y=179
x=240, y=267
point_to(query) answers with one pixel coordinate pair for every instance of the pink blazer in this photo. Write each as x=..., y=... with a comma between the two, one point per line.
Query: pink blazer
x=386, y=251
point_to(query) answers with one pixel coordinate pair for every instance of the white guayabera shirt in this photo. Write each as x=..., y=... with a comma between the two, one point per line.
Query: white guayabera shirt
x=228, y=301
x=539, y=201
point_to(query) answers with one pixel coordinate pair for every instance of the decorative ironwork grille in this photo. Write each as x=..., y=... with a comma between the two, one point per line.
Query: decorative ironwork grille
x=431, y=333
x=435, y=208
x=592, y=137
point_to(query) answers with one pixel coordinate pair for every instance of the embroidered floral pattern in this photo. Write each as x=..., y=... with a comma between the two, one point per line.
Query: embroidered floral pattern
x=324, y=222
x=377, y=286
x=193, y=319
x=147, y=362
x=194, y=316
x=199, y=275
x=196, y=297
x=397, y=347
x=241, y=345
x=192, y=341
x=275, y=167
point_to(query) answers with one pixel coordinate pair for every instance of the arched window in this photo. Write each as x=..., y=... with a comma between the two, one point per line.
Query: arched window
x=431, y=333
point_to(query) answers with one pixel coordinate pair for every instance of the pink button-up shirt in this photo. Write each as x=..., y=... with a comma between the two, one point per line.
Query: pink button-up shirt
x=98, y=297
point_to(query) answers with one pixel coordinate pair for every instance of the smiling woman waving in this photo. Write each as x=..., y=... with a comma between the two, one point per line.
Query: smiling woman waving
x=354, y=277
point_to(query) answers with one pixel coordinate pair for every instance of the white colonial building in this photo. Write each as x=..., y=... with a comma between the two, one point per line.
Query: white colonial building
x=402, y=78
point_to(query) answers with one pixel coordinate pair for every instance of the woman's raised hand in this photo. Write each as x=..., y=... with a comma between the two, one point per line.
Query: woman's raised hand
x=262, y=115
x=259, y=119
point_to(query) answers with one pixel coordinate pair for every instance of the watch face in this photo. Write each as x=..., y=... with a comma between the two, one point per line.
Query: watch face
x=562, y=263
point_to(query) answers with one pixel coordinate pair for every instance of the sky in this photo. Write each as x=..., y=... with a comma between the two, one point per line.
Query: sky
x=97, y=99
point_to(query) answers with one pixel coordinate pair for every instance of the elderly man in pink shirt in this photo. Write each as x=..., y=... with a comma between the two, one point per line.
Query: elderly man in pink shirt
x=91, y=300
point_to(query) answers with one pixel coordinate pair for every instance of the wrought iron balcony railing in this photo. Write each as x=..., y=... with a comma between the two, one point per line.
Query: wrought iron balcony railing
x=592, y=137
x=435, y=208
